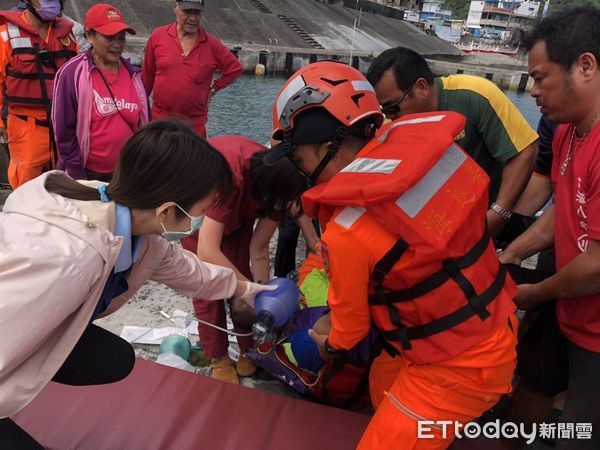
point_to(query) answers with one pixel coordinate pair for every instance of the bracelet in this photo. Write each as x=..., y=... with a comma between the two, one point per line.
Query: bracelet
x=332, y=351
x=506, y=215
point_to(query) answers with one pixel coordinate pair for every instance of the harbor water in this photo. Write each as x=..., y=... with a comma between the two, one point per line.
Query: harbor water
x=246, y=107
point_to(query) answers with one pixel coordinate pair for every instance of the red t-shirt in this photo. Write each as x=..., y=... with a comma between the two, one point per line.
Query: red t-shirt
x=180, y=84
x=239, y=210
x=238, y=213
x=109, y=129
x=577, y=206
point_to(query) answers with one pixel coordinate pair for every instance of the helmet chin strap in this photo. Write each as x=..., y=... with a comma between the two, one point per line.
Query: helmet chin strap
x=333, y=148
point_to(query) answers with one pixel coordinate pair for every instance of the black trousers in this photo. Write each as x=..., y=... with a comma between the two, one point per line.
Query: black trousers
x=99, y=357
x=548, y=363
x=285, y=256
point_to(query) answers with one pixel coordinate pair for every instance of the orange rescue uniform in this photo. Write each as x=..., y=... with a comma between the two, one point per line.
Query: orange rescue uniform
x=25, y=57
x=413, y=183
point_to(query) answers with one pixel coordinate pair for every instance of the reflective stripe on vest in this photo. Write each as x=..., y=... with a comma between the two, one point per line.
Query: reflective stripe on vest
x=428, y=119
x=370, y=165
x=415, y=199
x=15, y=40
x=349, y=216
x=32, y=68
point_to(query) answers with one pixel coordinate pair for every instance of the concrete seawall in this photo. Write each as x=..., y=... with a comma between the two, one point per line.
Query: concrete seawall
x=285, y=35
x=286, y=60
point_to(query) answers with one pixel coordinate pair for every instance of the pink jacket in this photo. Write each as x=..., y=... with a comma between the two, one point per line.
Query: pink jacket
x=72, y=110
x=56, y=255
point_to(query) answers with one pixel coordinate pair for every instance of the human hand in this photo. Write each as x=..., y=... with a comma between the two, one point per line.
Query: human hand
x=320, y=340
x=247, y=291
x=323, y=324
x=527, y=297
x=211, y=94
x=3, y=136
x=313, y=245
x=508, y=257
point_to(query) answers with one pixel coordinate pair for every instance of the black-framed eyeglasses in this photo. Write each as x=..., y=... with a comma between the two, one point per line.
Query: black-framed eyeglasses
x=393, y=108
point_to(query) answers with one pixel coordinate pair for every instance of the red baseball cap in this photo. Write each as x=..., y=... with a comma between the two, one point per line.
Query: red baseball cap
x=106, y=20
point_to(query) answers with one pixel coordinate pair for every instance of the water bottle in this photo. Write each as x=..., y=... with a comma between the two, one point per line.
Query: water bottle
x=176, y=344
x=275, y=308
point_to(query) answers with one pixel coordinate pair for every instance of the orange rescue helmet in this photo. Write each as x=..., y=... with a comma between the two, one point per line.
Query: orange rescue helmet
x=323, y=102
x=336, y=87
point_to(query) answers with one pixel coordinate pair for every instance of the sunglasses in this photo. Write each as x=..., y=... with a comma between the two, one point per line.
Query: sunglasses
x=391, y=109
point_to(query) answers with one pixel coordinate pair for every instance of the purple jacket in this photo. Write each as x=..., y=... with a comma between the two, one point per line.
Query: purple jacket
x=72, y=110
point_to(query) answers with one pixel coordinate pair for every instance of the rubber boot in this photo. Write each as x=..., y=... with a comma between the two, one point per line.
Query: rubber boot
x=223, y=370
x=244, y=367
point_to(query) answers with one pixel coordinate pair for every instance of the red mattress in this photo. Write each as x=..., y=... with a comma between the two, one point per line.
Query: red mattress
x=158, y=407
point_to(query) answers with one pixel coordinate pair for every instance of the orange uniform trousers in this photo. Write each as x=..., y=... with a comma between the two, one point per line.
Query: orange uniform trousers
x=459, y=389
x=29, y=148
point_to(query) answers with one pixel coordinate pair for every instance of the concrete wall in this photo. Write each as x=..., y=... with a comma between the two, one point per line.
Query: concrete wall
x=239, y=22
x=287, y=60
x=250, y=32
x=514, y=80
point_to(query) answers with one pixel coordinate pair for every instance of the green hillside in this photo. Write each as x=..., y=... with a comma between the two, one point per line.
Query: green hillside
x=460, y=8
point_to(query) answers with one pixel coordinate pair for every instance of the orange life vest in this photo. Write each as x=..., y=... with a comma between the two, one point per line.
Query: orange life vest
x=34, y=62
x=440, y=288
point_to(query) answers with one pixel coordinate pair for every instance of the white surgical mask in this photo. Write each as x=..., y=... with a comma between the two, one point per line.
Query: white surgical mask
x=196, y=223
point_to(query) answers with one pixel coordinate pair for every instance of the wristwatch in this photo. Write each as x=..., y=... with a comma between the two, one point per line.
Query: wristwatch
x=332, y=351
x=506, y=215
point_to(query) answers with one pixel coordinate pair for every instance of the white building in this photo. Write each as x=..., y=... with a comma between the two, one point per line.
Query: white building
x=497, y=19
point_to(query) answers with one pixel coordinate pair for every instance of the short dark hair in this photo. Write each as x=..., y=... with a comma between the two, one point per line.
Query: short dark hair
x=567, y=35
x=164, y=161
x=276, y=186
x=407, y=65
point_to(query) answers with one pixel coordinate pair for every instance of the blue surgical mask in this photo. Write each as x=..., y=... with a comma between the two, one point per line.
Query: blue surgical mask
x=49, y=10
x=196, y=223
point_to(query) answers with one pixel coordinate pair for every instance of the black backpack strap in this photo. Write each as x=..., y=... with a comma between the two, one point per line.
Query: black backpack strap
x=46, y=98
x=467, y=288
x=382, y=268
x=449, y=268
x=385, y=264
x=46, y=54
x=476, y=303
x=28, y=76
x=27, y=100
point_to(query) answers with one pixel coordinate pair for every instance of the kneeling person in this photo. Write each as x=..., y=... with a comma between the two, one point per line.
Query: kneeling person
x=406, y=247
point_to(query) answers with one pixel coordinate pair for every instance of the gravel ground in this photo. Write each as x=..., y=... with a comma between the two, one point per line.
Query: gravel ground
x=143, y=310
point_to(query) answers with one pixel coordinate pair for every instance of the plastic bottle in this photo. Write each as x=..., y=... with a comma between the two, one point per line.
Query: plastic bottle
x=176, y=344
x=174, y=352
x=275, y=308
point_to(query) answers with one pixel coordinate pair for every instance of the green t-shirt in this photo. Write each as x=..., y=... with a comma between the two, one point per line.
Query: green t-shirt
x=495, y=131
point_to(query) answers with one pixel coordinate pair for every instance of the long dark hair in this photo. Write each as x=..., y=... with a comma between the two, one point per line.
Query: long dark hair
x=275, y=187
x=164, y=161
